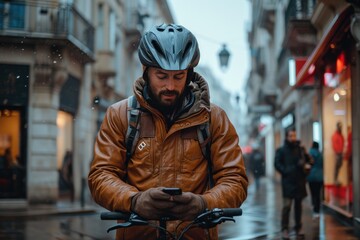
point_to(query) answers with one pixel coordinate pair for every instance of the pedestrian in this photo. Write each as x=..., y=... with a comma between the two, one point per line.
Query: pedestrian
x=316, y=178
x=292, y=162
x=257, y=165
x=174, y=101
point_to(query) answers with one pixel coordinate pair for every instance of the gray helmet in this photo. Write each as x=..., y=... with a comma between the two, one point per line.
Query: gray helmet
x=170, y=47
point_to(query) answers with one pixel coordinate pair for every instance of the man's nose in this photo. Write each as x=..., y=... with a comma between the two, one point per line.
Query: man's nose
x=170, y=84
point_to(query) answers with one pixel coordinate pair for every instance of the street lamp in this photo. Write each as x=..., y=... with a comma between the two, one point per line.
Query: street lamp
x=224, y=56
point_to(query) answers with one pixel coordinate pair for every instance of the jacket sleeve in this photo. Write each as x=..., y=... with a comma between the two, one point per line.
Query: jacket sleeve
x=279, y=161
x=229, y=173
x=107, y=169
x=307, y=156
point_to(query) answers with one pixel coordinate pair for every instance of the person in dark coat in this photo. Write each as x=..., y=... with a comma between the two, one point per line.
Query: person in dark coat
x=292, y=162
x=316, y=178
x=257, y=162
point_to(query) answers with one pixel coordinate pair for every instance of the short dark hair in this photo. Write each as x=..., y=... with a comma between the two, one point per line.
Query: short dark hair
x=288, y=131
x=315, y=145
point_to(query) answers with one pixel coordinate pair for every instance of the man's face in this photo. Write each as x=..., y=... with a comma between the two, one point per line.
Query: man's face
x=291, y=137
x=166, y=86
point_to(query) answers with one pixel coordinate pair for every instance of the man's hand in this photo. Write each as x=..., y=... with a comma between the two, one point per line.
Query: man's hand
x=188, y=206
x=152, y=203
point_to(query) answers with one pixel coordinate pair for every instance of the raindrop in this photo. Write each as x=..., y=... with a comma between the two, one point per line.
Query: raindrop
x=17, y=77
x=54, y=61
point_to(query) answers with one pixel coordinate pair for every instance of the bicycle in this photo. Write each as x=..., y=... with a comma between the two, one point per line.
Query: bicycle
x=207, y=219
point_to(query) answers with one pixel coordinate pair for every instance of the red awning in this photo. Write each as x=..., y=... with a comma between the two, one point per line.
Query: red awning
x=335, y=27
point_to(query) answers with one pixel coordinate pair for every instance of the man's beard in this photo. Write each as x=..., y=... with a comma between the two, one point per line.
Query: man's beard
x=165, y=106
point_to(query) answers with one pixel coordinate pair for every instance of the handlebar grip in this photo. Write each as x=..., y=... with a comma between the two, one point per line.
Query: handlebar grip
x=114, y=216
x=231, y=212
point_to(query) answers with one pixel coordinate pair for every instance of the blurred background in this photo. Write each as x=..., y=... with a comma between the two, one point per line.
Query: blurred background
x=271, y=64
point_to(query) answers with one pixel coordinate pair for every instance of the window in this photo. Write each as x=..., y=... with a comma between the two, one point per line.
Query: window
x=100, y=27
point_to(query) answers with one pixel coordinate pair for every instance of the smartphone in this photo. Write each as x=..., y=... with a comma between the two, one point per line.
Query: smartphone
x=172, y=191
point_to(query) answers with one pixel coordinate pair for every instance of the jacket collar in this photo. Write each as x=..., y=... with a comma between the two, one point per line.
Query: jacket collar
x=199, y=92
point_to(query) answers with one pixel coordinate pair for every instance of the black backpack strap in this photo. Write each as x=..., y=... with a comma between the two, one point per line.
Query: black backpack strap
x=203, y=132
x=132, y=133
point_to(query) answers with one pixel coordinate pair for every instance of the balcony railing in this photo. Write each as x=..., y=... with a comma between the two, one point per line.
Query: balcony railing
x=62, y=21
x=299, y=10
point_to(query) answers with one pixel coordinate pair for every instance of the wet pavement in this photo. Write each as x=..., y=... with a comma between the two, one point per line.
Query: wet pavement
x=262, y=217
x=260, y=220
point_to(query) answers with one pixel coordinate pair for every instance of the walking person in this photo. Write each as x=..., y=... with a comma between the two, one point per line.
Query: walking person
x=292, y=162
x=316, y=178
x=257, y=165
x=174, y=101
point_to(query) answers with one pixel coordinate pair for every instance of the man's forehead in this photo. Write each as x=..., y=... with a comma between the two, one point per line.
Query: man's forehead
x=163, y=71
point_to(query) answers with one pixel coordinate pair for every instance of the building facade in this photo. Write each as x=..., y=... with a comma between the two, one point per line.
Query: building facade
x=62, y=63
x=315, y=57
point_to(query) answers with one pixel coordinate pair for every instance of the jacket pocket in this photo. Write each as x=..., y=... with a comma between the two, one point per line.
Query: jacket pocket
x=193, y=157
x=141, y=159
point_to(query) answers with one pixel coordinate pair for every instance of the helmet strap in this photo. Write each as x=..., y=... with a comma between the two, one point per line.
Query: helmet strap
x=190, y=75
x=145, y=74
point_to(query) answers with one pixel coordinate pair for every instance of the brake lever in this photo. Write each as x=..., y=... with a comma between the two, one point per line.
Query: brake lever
x=134, y=220
x=213, y=222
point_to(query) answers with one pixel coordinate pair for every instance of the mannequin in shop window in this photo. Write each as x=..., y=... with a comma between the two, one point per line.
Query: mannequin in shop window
x=338, y=142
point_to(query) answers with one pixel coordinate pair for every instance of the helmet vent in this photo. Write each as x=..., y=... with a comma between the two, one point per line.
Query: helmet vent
x=187, y=48
x=157, y=47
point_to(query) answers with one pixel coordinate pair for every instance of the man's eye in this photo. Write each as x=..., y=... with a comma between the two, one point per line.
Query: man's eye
x=161, y=76
x=179, y=77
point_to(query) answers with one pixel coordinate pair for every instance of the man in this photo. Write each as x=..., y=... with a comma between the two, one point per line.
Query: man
x=174, y=100
x=291, y=161
x=257, y=164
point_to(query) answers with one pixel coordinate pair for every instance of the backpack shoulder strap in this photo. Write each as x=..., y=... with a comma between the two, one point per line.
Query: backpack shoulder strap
x=132, y=132
x=204, y=137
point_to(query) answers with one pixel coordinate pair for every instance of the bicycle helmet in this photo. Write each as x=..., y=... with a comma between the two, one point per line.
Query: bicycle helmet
x=170, y=47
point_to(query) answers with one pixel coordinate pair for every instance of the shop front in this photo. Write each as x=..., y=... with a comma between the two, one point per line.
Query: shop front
x=335, y=63
x=337, y=137
x=14, y=82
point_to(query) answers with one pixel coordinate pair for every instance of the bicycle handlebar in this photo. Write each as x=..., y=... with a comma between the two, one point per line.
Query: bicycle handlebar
x=207, y=219
x=114, y=216
x=232, y=212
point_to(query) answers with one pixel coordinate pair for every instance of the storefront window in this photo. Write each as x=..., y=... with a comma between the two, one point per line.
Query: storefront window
x=337, y=142
x=64, y=123
x=12, y=170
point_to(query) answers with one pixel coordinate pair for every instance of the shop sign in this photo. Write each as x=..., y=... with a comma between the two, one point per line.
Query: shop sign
x=288, y=120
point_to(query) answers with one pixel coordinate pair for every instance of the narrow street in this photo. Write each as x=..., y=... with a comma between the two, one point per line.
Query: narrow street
x=260, y=220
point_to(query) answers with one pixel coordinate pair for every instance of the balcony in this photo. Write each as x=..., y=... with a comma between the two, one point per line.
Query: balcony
x=133, y=24
x=62, y=23
x=300, y=37
x=264, y=14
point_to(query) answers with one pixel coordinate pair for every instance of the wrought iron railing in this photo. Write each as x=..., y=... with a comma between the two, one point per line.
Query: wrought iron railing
x=46, y=20
x=299, y=9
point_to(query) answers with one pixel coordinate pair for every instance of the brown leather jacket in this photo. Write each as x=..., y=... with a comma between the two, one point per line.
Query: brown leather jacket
x=170, y=158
